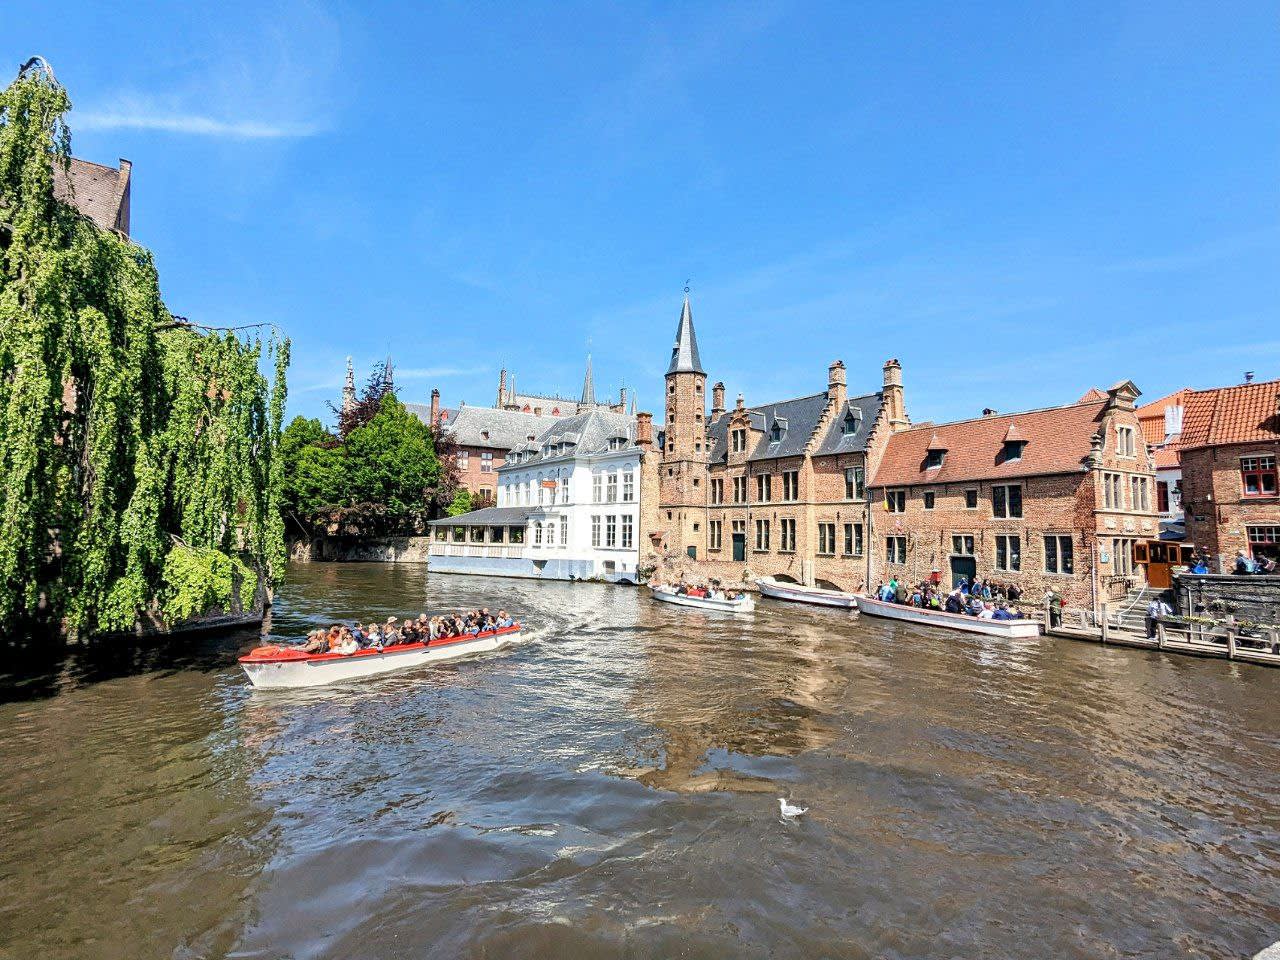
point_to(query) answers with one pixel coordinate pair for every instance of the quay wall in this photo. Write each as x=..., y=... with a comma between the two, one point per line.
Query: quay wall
x=407, y=549
x=1215, y=595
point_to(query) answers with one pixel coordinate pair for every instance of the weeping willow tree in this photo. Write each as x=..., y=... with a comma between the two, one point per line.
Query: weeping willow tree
x=138, y=476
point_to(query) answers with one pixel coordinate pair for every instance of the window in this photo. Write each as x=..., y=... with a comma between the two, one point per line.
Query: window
x=738, y=440
x=671, y=387
x=933, y=459
x=1008, y=552
x=1006, y=500
x=717, y=490
x=853, y=539
x=517, y=534
x=855, y=485
x=962, y=544
x=629, y=485
x=595, y=530
x=1258, y=475
x=739, y=489
x=564, y=532
x=1139, y=494
x=459, y=534
x=764, y=487
x=775, y=432
x=611, y=530
x=762, y=536
x=597, y=488
x=895, y=501
x=788, y=544
x=1264, y=542
x=1162, y=496
x=537, y=534
x=464, y=459
x=1124, y=441
x=1122, y=557
x=827, y=538
x=551, y=533
x=715, y=531
x=929, y=499
x=486, y=493
x=895, y=549
x=1112, y=495
x=486, y=462
x=611, y=487
x=971, y=499
x=1059, y=554
x=1012, y=450
x=791, y=485
x=564, y=489
x=852, y=421
x=497, y=534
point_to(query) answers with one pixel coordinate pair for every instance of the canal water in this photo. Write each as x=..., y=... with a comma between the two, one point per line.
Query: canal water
x=610, y=789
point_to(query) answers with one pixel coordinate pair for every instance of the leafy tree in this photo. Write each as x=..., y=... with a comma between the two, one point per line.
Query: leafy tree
x=461, y=504
x=391, y=460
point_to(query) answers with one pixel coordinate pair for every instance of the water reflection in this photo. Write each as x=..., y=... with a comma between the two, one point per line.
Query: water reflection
x=608, y=788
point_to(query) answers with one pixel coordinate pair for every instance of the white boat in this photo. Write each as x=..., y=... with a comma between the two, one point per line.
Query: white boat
x=744, y=604
x=280, y=666
x=802, y=594
x=951, y=621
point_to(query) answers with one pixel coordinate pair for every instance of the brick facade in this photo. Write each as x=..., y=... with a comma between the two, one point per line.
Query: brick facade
x=1218, y=513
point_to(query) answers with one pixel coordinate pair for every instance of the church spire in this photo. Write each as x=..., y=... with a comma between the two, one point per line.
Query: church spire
x=684, y=354
x=349, y=388
x=588, y=388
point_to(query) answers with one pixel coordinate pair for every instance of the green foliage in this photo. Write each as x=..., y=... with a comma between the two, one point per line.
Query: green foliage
x=119, y=428
x=389, y=462
x=196, y=580
x=461, y=504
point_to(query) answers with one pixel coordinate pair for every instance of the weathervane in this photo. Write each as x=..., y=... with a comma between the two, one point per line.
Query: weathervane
x=686, y=287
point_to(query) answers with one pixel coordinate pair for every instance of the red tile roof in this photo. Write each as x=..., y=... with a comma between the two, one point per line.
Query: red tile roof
x=1057, y=441
x=1092, y=394
x=1151, y=415
x=1166, y=457
x=1248, y=413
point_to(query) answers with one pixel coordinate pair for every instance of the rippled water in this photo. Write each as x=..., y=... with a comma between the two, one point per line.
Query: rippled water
x=609, y=789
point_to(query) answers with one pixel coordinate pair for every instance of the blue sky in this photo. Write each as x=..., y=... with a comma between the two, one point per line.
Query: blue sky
x=1017, y=200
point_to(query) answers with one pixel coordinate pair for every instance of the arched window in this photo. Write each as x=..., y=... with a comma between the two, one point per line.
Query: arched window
x=537, y=534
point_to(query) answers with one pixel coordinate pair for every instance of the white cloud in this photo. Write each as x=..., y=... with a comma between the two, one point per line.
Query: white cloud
x=148, y=117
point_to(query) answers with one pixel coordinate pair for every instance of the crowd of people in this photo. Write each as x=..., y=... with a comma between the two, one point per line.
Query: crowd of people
x=987, y=600
x=346, y=640
x=1265, y=566
x=712, y=590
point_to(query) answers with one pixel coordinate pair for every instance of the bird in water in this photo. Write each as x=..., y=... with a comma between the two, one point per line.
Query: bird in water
x=790, y=810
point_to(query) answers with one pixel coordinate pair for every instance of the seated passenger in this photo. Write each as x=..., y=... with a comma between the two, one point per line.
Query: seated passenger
x=986, y=613
x=504, y=621
x=954, y=603
x=347, y=645
x=316, y=642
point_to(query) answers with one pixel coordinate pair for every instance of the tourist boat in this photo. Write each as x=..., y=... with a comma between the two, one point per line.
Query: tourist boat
x=744, y=604
x=280, y=666
x=802, y=594
x=951, y=621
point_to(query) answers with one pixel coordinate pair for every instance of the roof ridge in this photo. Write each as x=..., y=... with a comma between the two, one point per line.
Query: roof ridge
x=1000, y=416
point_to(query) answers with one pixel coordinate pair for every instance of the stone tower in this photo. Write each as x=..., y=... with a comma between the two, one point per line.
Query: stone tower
x=683, y=480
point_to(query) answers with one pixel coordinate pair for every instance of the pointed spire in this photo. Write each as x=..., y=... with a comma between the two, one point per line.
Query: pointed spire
x=684, y=354
x=349, y=388
x=633, y=403
x=588, y=387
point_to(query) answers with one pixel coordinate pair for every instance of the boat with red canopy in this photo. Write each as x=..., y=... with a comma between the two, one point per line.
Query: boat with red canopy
x=285, y=666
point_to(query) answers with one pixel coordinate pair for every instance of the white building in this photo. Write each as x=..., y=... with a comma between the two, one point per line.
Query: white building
x=568, y=508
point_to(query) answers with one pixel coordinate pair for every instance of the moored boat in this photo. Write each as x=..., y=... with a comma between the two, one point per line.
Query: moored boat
x=799, y=593
x=281, y=666
x=950, y=621
x=743, y=604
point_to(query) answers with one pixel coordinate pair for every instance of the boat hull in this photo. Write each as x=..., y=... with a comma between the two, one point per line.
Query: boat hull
x=741, y=605
x=275, y=667
x=951, y=621
x=802, y=594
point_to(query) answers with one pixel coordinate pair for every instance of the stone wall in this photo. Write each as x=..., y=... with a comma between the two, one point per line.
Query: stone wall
x=408, y=549
x=1245, y=598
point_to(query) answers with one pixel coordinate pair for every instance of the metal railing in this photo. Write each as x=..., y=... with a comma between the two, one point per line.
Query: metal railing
x=505, y=551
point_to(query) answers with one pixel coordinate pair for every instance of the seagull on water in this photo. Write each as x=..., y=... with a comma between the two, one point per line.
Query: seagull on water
x=790, y=810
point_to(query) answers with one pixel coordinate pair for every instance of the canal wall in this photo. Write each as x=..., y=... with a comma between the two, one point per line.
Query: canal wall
x=407, y=549
x=1216, y=595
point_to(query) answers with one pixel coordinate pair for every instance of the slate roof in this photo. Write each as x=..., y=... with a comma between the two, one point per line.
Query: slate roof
x=684, y=354
x=1057, y=440
x=497, y=516
x=837, y=441
x=487, y=426
x=1247, y=413
x=101, y=193
x=588, y=433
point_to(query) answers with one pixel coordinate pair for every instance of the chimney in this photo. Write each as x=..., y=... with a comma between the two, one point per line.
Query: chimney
x=989, y=411
x=739, y=405
x=502, y=388
x=894, y=404
x=717, y=402
x=837, y=383
x=537, y=411
x=644, y=431
x=435, y=407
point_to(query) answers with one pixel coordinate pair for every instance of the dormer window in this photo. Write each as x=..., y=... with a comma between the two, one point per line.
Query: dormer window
x=934, y=459
x=775, y=434
x=852, y=422
x=1013, y=450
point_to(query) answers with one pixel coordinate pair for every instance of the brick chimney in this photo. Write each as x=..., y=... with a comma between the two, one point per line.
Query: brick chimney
x=717, y=402
x=741, y=404
x=435, y=407
x=894, y=402
x=644, y=431
x=837, y=383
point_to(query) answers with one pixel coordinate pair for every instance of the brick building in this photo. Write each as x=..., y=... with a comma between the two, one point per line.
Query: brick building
x=1161, y=422
x=1060, y=497
x=777, y=489
x=1230, y=447
x=99, y=192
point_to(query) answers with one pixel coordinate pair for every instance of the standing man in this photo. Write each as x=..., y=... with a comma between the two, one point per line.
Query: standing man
x=1156, y=609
